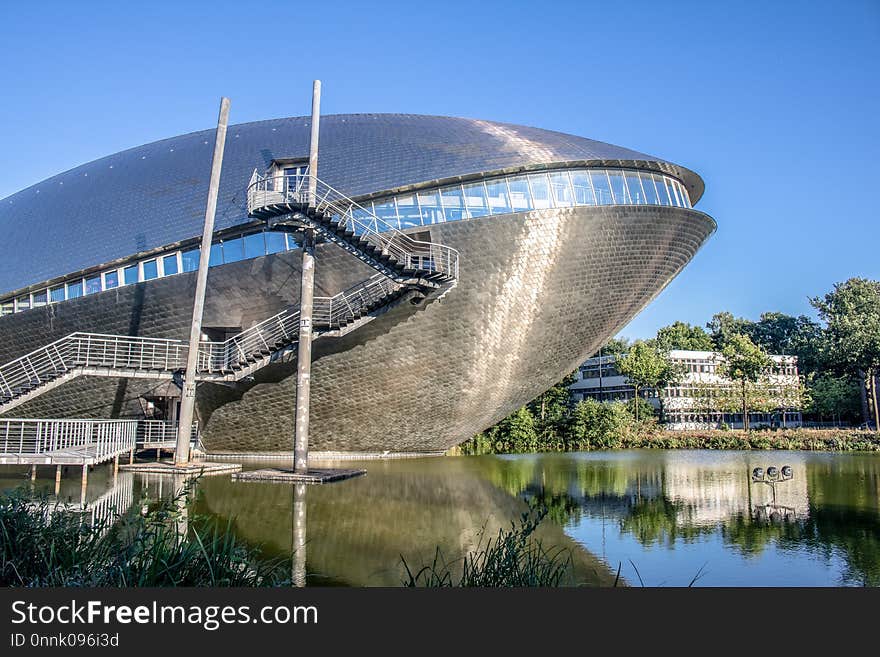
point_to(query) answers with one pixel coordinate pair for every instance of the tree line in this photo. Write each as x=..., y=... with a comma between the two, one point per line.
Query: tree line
x=838, y=363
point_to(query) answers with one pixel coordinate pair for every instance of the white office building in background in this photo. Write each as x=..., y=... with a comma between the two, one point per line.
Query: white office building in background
x=695, y=402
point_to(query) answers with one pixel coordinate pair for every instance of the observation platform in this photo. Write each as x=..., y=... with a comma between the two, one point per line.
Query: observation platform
x=313, y=476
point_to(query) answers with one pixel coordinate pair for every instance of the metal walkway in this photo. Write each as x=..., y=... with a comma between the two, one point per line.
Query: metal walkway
x=402, y=263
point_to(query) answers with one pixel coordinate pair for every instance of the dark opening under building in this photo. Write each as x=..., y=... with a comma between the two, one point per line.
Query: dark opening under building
x=551, y=243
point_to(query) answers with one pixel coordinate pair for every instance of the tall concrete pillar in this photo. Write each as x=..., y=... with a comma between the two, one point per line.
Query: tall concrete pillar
x=33, y=473
x=307, y=293
x=304, y=354
x=57, y=480
x=188, y=397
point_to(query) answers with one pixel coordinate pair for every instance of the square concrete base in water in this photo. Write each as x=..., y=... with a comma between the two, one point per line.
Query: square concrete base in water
x=194, y=468
x=313, y=476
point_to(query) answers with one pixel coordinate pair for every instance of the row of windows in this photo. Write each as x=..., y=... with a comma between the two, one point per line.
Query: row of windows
x=502, y=195
x=241, y=247
x=692, y=367
x=533, y=191
x=728, y=418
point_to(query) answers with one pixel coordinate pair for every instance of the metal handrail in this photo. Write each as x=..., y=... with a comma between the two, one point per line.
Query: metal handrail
x=35, y=436
x=267, y=191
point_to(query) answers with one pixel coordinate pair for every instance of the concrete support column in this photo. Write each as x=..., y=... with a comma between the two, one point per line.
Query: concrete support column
x=57, y=480
x=115, y=466
x=33, y=473
x=83, y=484
x=188, y=396
x=304, y=354
x=158, y=454
x=131, y=456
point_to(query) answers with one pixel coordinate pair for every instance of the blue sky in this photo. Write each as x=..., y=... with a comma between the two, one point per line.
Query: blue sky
x=775, y=104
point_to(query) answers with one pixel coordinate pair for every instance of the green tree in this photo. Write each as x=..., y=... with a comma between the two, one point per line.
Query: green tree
x=598, y=425
x=852, y=315
x=551, y=409
x=613, y=346
x=520, y=433
x=833, y=396
x=745, y=362
x=723, y=326
x=681, y=335
x=778, y=333
x=643, y=366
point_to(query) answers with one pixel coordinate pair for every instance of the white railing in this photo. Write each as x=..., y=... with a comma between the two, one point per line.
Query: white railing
x=281, y=329
x=32, y=436
x=311, y=192
x=162, y=431
x=89, y=350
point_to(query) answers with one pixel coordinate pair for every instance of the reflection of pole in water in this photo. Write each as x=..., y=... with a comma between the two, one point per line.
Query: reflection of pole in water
x=181, y=517
x=299, y=535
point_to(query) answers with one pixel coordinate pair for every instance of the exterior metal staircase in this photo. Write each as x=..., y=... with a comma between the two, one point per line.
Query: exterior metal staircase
x=305, y=199
x=404, y=264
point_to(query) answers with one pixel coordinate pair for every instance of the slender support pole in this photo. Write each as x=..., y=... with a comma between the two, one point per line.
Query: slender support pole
x=85, y=482
x=313, y=140
x=131, y=456
x=304, y=354
x=307, y=293
x=33, y=473
x=159, y=454
x=57, y=480
x=115, y=466
x=188, y=398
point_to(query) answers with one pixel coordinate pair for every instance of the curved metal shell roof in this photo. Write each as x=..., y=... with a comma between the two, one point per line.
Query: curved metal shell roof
x=154, y=195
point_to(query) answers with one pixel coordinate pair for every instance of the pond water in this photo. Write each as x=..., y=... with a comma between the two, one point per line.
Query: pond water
x=664, y=518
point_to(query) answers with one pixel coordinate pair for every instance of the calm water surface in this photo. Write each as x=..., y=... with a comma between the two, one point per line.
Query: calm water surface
x=663, y=517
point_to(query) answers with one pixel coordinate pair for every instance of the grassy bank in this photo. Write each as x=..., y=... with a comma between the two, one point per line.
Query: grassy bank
x=43, y=544
x=650, y=436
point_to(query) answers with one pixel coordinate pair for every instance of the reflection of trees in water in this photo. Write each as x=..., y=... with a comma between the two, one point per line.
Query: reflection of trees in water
x=842, y=518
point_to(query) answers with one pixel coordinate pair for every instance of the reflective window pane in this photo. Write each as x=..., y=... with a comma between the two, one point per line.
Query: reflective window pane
x=662, y=190
x=274, y=242
x=74, y=290
x=520, y=196
x=475, y=200
x=40, y=298
x=429, y=201
x=254, y=246
x=673, y=192
x=233, y=250
x=408, y=211
x=453, y=205
x=111, y=279
x=216, y=257
x=634, y=186
x=601, y=187
x=7, y=308
x=130, y=274
x=93, y=285
x=190, y=259
x=560, y=185
x=23, y=303
x=151, y=270
x=56, y=294
x=362, y=220
x=387, y=212
x=169, y=265
x=685, y=200
x=540, y=190
x=618, y=188
x=583, y=189
x=499, y=199
x=648, y=187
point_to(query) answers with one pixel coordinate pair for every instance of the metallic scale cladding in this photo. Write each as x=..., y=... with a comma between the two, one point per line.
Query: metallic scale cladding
x=562, y=240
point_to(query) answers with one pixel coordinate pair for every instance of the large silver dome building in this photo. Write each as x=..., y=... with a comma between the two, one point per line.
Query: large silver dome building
x=561, y=241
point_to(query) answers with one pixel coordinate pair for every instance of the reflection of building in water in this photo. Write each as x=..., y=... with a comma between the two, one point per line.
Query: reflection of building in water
x=708, y=496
